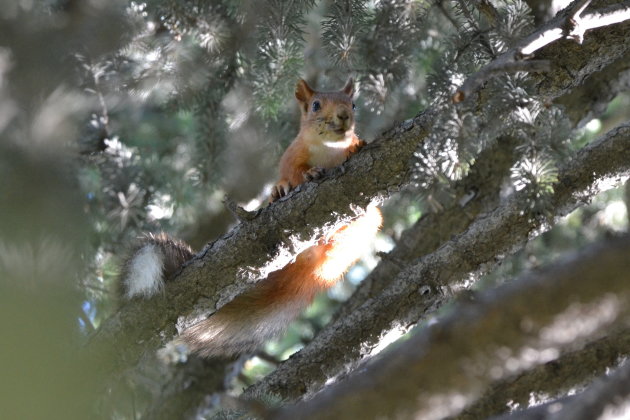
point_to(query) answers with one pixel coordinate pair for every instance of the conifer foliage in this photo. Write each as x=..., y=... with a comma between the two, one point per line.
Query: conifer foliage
x=122, y=117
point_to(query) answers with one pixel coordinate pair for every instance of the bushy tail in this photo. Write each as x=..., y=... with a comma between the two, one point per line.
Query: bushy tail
x=152, y=261
x=266, y=310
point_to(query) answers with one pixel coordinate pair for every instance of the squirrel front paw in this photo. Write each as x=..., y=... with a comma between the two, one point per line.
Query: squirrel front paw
x=280, y=190
x=314, y=173
x=356, y=147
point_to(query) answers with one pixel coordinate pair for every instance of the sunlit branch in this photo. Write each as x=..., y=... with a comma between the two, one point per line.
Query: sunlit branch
x=571, y=25
x=607, y=392
x=418, y=288
x=507, y=330
x=571, y=370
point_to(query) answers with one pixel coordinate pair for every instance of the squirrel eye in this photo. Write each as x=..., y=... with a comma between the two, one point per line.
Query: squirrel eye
x=316, y=106
x=353, y=106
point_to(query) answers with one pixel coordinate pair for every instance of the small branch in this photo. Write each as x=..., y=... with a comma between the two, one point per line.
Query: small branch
x=239, y=212
x=266, y=357
x=569, y=25
x=499, y=67
x=447, y=15
x=473, y=23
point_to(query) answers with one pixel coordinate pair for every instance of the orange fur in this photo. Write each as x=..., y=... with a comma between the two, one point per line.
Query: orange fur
x=326, y=139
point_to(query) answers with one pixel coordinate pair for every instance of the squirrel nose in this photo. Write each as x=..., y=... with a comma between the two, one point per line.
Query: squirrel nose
x=343, y=115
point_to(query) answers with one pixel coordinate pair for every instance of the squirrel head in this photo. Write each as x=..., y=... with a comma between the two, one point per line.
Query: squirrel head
x=329, y=115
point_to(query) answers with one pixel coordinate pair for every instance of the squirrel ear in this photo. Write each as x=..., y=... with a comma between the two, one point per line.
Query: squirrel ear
x=348, y=89
x=303, y=91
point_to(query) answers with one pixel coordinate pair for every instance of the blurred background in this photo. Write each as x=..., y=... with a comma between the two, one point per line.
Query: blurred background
x=121, y=117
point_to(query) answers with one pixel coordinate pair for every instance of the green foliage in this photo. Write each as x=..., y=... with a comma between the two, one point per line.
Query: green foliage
x=143, y=115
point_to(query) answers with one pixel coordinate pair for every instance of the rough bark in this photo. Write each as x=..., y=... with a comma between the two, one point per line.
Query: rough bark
x=592, y=98
x=607, y=392
x=508, y=329
x=420, y=288
x=572, y=369
x=572, y=61
x=478, y=192
x=570, y=23
x=268, y=239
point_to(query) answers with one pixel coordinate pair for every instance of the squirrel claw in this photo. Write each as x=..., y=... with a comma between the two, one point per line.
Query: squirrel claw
x=279, y=191
x=314, y=173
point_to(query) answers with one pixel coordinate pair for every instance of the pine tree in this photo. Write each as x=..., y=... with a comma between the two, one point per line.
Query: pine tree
x=118, y=118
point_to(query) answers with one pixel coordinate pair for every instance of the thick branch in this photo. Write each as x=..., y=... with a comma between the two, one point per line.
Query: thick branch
x=508, y=329
x=418, y=288
x=606, y=392
x=478, y=192
x=554, y=378
x=591, y=99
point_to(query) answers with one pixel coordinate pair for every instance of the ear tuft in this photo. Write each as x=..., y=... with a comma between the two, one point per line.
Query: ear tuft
x=348, y=89
x=303, y=91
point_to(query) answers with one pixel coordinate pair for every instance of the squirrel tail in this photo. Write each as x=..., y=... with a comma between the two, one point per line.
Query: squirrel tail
x=154, y=259
x=265, y=310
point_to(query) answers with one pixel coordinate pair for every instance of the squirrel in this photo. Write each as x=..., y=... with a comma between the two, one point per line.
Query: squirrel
x=325, y=140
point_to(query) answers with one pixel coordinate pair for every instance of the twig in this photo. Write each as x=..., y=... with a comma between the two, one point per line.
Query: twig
x=500, y=66
x=266, y=357
x=239, y=212
x=597, y=19
x=473, y=24
x=446, y=14
x=571, y=25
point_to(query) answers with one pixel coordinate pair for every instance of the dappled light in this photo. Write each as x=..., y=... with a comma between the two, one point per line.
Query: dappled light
x=492, y=279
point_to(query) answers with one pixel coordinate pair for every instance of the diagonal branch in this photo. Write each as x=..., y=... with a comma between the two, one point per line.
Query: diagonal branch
x=255, y=247
x=476, y=193
x=570, y=24
x=419, y=288
x=608, y=391
x=553, y=378
x=509, y=329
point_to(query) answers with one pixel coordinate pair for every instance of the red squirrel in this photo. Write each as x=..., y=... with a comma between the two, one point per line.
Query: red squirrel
x=326, y=139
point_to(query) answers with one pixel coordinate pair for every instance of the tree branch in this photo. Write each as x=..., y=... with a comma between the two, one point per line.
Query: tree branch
x=419, y=288
x=476, y=193
x=570, y=370
x=591, y=100
x=605, y=392
x=569, y=24
x=508, y=329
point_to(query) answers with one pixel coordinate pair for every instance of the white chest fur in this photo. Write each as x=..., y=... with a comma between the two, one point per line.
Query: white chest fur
x=328, y=154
